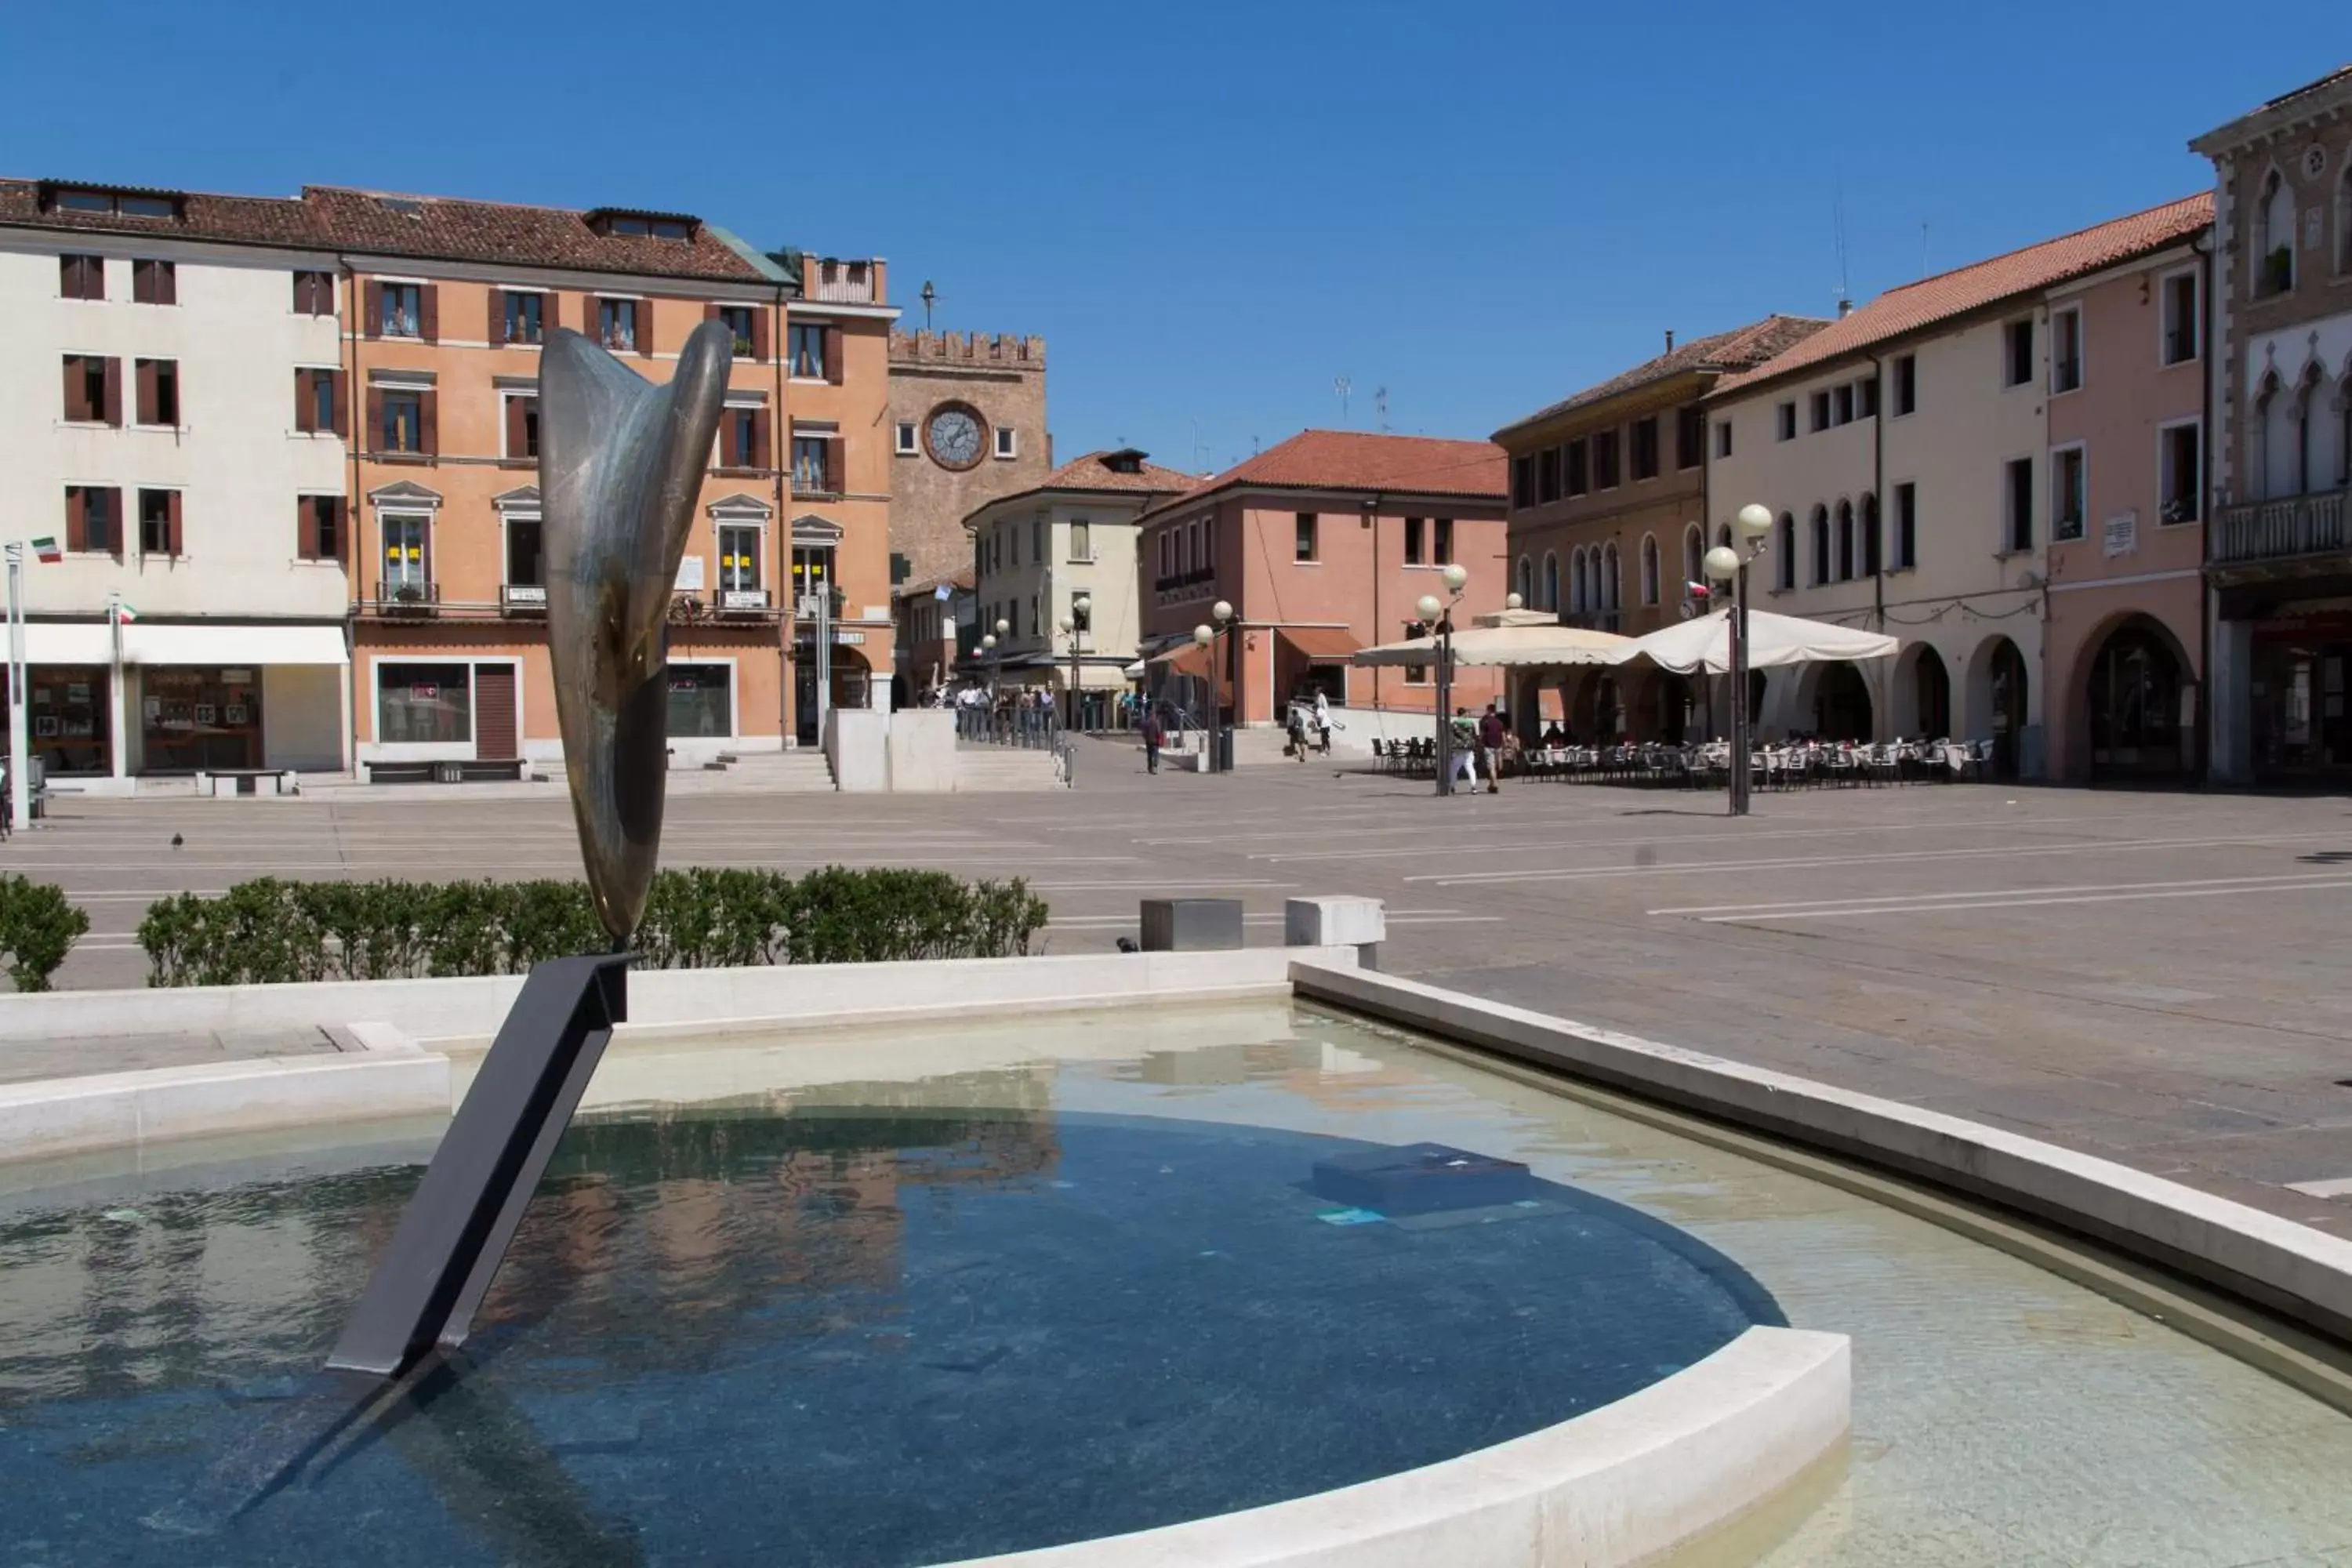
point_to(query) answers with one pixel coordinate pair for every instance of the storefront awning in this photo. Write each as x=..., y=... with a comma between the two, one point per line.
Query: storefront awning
x=1320, y=645
x=68, y=642
x=248, y=643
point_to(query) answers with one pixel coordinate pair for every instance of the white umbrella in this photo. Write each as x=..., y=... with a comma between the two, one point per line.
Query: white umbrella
x=1505, y=638
x=1704, y=642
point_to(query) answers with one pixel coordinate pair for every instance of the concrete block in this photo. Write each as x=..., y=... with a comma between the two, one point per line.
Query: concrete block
x=1192, y=925
x=922, y=751
x=1335, y=922
x=856, y=742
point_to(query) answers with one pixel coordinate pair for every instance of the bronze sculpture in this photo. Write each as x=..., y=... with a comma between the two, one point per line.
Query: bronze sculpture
x=621, y=463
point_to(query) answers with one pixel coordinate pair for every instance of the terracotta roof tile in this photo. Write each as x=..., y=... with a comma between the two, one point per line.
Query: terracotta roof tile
x=1899, y=312
x=250, y=220
x=1742, y=347
x=1091, y=473
x=1360, y=460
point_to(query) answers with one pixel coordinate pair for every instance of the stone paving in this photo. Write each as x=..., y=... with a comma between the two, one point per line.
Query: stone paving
x=2159, y=978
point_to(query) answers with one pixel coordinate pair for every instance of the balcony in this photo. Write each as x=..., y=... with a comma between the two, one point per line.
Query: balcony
x=2280, y=532
x=409, y=600
x=743, y=605
x=522, y=599
x=832, y=282
x=1184, y=579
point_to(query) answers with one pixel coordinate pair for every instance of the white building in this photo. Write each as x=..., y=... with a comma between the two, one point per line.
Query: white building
x=1904, y=451
x=168, y=405
x=1039, y=554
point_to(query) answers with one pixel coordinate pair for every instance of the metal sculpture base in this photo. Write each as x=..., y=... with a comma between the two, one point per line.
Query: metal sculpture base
x=454, y=1233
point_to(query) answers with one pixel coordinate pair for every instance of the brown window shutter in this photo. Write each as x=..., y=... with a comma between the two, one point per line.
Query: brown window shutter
x=167, y=292
x=759, y=439
x=515, y=427
x=759, y=335
x=374, y=310
x=339, y=414
x=77, y=533
x=833, y=466
x=142, y=282
x=374, y=433
x=428, y=312
x=115, y=519
x=498, y=334
x=69, y=278
x=833, y=354
x=646, y=327
x=114, y=391
x=550, y=315
x=592, y=317
x=144, y=370
x=428, y=422
x=75, y=406
x=306, y=527
x=305, y=405
x=172, y=514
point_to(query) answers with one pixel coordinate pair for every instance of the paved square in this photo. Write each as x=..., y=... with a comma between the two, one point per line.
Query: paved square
x=2160, y=978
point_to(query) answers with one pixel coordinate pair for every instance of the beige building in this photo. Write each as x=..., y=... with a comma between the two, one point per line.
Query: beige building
x=1056, y=565
x=1608, y=487
x=1904, y=452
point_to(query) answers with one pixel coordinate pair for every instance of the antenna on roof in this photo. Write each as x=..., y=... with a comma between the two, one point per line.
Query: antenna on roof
x=1199, y=447
x=1381, y=407
x=1341, y=386
x=1923, y=248
x=1837, y=211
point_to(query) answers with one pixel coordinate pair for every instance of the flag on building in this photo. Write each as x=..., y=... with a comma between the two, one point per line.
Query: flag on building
x=46, y=548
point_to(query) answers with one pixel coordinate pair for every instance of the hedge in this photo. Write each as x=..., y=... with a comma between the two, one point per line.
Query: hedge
x=270, y=931
x=38, y=928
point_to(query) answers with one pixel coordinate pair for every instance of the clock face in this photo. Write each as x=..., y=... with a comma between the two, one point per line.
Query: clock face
x=955, y=436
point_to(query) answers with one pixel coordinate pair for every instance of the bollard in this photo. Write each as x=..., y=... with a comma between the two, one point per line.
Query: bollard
x=1337, y=921
x=1192, y=925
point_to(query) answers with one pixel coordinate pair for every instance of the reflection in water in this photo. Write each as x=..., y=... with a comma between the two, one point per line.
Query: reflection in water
x=841, y=1335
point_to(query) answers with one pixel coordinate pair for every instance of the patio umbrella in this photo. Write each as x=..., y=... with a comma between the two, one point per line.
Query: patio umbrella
x=1525, y=639
x=1704, y=642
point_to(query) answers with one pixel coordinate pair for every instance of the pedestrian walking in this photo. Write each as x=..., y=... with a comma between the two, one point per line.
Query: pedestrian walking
x=1466, y=748
x=1492, y=733
x=1153, y=735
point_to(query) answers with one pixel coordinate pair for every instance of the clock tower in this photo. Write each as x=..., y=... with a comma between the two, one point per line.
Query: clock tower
x=967, y=426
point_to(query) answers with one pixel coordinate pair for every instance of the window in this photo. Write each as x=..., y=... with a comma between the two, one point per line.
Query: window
x=1819, y=407
x=804, y=348
x=1784, y=550
x=402, y=425
x=1527, y=589
x=92, y=512
x=1008, y=443
x=1037, y=541
x=2273, y=269
x=2018, y=488
x=1694, y=550
x=2180, y=319
x=902, y=440
x=1820, y=531
x=1872, y=563
x=424, y=704
x=1547, y=476
x=1847, y=556
x=1866, y=390
x=739, y=438
x=812, y=470
x=93, y=389
x=1906, y=384
x=318, y=527
x=1605, y=460
x=2067, y=349
x=159, y=522
x=526, y=318
x=122, y=204
x=81, y=278
x=1442, y=536
x=522, y=426
x=2067, y=498
x=1523, y=478
x=738, y=557
x=158, y=391
x=318, y=401
x=738, y=320
x=1304, y=543
x=1550, y=582
x=1690, y=436
x=1723, y=437
x=154, y=283
x=1082, y=539
x=400, y=310
x=616, y=323
x=1906, y=526
x=1577, y=582
x=1649, y=569
x=1786, y=415
x=2017, y=353
x=405, y=538
x=1413, y=541
x=2180, y=472
x=1579, y=466
x=314, y=293
x=1609, y=586
x=1417, y=674
x=1841, y=404
x=1646, y=448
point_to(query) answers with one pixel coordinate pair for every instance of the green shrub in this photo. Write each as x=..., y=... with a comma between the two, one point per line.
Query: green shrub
x=698, y=917
x=38, y=928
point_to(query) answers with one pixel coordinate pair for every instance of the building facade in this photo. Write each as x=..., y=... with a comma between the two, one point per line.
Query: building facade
x=1608, y=497
x=2278, y=569
x=1323, y=545
x=1056, y=566
x=169, y=415
x=1905, y=453
x=967, y=424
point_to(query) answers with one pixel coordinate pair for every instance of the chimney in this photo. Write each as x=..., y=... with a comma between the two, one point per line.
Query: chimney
x=1670, y=340
x=1845, y=309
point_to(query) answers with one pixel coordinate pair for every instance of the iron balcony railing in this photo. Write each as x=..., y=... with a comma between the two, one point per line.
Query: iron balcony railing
x=2276, y=530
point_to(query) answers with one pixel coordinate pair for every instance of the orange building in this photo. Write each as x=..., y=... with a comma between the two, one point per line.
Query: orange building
x=1323, y=545
x=446, y=305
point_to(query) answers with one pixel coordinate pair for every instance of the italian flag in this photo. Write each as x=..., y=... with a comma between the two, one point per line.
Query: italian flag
x=45, y=549
x=125, y=614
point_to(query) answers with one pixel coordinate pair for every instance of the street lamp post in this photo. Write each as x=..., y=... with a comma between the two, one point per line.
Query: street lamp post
x=995, y=645
x=1725, y=563
x=20, y=753
x=1456, y=578
x=1204, y=636
x=1074, y=626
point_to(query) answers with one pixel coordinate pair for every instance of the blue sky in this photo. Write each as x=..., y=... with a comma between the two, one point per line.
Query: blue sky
x=1212, y=210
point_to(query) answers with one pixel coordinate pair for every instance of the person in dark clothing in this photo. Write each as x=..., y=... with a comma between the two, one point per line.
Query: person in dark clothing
x=1153, y=735
x=1491, y=736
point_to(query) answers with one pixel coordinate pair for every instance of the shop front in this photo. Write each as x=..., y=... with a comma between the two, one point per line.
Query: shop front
x=200, y=717
x=2301, y=728
x=70, y=716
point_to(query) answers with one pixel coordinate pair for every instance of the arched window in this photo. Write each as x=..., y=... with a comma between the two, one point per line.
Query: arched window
x=1693, y=546
x=2343, y=219
x=1576, y=581
x=2273, y=268
x=1784, y=545
x=1820, y=544
x=1723, y=535
x=1609, y=589
x=1550, y=600
x=1845, y=540
x=1649, y=568
x=1871, y=558
x=1527, y=580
